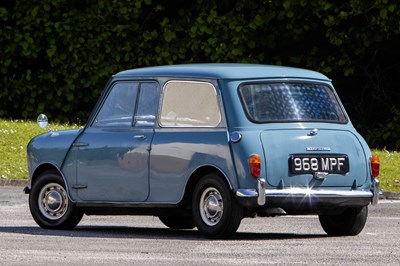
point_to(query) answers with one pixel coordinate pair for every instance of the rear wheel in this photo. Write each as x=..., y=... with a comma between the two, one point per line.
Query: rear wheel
x=49, y=203
x=177, y=222
x=349, y=223
x=215, y=211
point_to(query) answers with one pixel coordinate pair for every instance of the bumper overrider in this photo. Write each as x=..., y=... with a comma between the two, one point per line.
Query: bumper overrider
x=304, y=198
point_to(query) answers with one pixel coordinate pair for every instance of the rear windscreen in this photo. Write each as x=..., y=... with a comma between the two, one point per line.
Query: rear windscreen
x=271, y=102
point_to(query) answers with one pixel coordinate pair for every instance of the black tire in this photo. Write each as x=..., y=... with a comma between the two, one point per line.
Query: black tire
x=49, y=203
x=215, y=211
x=349, y=223
x=177, y=222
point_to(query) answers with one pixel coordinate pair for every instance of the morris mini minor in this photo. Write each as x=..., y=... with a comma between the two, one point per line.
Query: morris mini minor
x=206, y=145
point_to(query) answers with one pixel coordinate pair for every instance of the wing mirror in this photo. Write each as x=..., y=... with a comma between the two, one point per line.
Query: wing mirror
x=43, y=122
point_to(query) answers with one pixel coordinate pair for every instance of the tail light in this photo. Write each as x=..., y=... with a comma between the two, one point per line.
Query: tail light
x=375, y=165
x=255, y=165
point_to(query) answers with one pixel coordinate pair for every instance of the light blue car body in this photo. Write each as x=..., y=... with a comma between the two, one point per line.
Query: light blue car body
x=166, y=162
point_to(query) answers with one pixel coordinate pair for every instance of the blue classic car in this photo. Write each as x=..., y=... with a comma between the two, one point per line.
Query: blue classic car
x=206, y=145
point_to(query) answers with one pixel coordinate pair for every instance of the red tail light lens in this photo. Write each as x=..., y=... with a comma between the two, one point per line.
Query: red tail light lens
x=375, y=165
x=255, y=165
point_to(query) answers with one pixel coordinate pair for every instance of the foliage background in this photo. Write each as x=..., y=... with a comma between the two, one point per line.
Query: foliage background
x=57, y=55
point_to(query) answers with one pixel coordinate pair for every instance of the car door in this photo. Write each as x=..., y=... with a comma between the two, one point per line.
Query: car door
x=113, y=152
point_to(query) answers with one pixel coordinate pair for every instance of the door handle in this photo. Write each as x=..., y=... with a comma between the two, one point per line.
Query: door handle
x=139, y=137
x=80, y=144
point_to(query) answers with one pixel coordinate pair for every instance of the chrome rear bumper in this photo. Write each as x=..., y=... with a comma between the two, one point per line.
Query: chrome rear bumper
x=306, y=197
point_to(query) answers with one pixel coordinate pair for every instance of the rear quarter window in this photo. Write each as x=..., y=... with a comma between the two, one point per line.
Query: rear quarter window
x=190, y=104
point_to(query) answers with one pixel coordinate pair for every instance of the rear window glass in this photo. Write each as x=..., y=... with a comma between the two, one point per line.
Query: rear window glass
x=271, y=102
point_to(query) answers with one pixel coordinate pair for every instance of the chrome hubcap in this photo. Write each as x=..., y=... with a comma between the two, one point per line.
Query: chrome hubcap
x=53, y=201
x=211, y=206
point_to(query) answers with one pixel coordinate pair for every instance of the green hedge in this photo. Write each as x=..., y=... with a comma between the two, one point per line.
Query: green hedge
x=387, y=134
x=57, y=55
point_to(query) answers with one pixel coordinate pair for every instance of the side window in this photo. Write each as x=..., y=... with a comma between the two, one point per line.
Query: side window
x=190, y=104
x=117, y=109
x=147, y=105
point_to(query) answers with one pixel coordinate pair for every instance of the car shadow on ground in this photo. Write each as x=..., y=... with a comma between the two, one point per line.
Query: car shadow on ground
x=147, y=233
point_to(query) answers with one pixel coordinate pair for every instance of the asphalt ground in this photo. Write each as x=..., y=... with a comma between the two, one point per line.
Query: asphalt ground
x=144, y=240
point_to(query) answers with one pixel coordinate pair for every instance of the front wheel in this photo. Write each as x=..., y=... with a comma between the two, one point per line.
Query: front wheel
x=215, y=212
x=49, y=203
x=349, y=223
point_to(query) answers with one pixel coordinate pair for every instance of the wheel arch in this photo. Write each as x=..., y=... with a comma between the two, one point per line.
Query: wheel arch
x=196, y=176
x=49, y=167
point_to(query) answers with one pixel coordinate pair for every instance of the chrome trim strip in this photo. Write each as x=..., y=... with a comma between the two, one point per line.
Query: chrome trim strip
x=261, y=191
x=246, y=193
x=375, y=191
x=294, y=192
